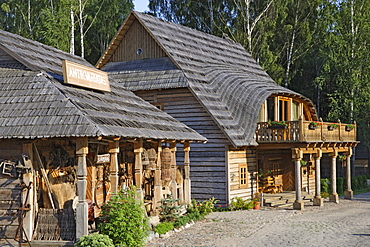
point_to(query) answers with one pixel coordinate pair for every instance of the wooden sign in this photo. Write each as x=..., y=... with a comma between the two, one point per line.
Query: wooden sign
x=103, y=158
x=83, y=76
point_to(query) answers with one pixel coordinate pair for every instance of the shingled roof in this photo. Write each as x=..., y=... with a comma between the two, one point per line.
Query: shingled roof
x=229, y=83
x=35, y=103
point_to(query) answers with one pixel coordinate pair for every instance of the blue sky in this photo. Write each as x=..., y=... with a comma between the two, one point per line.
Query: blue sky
x=141, y=5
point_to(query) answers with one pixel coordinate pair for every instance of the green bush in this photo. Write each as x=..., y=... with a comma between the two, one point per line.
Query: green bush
x=183, y=220
x=203, y=208
x=123, y=220
x=358, y=183
x=163, y=227
x=325, y=187
x=169, y=211
x=94, y=240
x=238, y=203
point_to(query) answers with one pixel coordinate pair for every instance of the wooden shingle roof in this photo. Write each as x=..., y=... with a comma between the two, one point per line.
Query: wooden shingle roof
x=35, y=103
x=229, y=83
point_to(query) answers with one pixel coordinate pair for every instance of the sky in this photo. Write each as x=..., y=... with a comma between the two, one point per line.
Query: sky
x=141, y=5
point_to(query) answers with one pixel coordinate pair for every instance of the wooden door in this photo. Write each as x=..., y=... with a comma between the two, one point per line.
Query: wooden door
x=288, y=176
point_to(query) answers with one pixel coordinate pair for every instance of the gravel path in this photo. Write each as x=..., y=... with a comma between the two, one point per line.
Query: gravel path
x=343, y=224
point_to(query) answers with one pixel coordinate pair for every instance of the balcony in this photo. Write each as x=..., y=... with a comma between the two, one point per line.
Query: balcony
x=302, y=131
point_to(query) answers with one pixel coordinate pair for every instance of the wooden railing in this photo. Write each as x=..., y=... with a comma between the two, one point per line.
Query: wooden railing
x=302, y=131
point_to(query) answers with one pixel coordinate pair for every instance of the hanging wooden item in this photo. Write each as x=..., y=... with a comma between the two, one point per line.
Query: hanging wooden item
x=166, y=164
x=152, y=155
x=145, y=158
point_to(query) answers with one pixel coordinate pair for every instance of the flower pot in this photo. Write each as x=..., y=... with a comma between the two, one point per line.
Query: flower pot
x=331, y=128
x=312, y=127
x=257, y=205
x=348, y=128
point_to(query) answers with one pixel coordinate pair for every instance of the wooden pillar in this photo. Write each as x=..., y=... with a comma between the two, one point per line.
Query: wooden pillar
x=138, y=150
x=297, y=157
x=333, y=178
x=157, y=180
x=28, y=179
x=187, y=181
x=113, y=151
x=348, y=193
x=317, y=200
x=82, y=207
x=173, y=185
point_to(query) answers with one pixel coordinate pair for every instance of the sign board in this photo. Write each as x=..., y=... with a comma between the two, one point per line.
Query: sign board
x=83, y=76
x=103, y=158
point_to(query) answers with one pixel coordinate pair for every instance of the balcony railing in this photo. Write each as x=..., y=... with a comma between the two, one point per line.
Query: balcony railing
x=303, y=131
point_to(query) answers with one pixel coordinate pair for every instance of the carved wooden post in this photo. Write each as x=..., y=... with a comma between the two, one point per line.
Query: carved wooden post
x=317, y=200
x=333, y=177
x=348, y=193
x=187, y=182
x=138, y=150
x=113, y=151
x=28, y=221
x=301, y=129
x=297, y=157
x=82, y=207
x=173, y=185
x=157, y=180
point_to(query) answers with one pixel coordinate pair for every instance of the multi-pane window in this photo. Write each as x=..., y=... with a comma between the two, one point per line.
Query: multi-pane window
x=243, y=176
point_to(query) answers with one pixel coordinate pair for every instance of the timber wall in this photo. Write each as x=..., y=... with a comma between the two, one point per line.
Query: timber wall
x=237, y=157
x=207, y=160
x=137, y=38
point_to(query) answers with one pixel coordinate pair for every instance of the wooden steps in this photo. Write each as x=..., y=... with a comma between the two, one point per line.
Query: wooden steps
x=284, y=199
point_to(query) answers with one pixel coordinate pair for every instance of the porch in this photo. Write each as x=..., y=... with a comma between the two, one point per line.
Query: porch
x=304, y=131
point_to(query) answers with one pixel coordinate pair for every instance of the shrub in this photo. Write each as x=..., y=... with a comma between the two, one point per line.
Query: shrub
x=123, y=220
x=94, y=240
x=238, y=203
x=163, y=227
x=169, y=212
x=203, y=208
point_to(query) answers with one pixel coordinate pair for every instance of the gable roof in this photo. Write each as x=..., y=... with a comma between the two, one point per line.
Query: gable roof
x=227, y=81
x=35, y=103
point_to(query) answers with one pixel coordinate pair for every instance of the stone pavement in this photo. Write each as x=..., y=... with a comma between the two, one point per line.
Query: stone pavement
x=344, y=224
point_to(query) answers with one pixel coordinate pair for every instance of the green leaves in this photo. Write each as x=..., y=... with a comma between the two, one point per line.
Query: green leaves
x=124, y=220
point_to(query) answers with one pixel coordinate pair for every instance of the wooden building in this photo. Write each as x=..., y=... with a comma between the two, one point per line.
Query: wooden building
x=72, y=137
x=215, y=87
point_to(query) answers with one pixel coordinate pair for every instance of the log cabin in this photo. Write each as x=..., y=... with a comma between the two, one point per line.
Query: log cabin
x=262, y=137
x=70, y=137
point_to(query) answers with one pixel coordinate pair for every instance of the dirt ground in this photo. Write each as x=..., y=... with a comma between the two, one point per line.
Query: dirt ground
x=344, y=224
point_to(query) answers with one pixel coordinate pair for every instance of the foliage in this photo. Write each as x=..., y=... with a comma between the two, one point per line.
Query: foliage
x=123, y=219
x=50, y=22
x=358, y=183
x=163, y=227
x=333, y=125
x=184, y=219
x=94, y=240
x=204, y=208
x=169, y=211
x=315, y=123
x=238, y=203
x=280, y=123
x=350, y=126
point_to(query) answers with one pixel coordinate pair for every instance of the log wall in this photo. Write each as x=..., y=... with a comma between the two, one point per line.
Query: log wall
x=236, y=157
x=207, y=160
x=137, y=38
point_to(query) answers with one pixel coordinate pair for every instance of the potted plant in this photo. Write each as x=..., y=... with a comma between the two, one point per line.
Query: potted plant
x=349, y=127
x=257, y=204
x=332, y=126
x=314, y=125
x=277, y=125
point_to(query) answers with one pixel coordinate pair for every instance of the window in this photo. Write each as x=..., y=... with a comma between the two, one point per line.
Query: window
x=243, y=176
x=278, y=108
